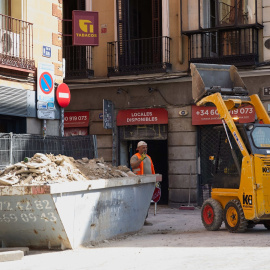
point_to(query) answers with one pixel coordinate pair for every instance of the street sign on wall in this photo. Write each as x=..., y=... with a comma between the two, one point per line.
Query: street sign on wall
x=107, y=114
x=47, y=51
x=46, y=114
x=45, y=91
x=45, y=82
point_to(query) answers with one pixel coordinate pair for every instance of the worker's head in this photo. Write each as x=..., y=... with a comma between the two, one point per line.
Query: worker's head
x=142, y=147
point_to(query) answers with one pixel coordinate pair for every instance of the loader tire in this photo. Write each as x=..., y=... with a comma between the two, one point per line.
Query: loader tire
x=234, y=217
x=211, y=214
x=267, y=225
x=251, y=224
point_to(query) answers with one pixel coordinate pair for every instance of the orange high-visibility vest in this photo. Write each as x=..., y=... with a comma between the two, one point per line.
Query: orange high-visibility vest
x=139, y=170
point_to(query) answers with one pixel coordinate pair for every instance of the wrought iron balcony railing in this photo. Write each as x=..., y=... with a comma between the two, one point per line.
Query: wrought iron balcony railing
x=138, y=56
x=235, y=46
x=79, y=59
x=16, y=44
x=78, y=62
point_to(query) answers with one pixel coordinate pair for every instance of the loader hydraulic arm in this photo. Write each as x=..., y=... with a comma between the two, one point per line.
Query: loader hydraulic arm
x=223, y=86
x=259, y=109
x=223, y=108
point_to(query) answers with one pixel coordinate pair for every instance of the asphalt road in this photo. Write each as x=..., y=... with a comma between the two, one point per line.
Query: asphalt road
x=176, y=240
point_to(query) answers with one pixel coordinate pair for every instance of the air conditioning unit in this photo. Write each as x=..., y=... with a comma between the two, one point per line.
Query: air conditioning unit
x=9, y=43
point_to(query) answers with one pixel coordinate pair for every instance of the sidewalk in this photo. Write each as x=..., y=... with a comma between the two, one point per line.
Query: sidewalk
x=176, y=240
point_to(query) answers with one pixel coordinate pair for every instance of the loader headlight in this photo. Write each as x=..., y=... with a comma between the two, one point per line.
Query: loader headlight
x=249, y=127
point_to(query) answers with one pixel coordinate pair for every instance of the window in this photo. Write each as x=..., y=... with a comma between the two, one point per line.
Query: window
x=261, y=137
x=216, y=13
x=5, y=7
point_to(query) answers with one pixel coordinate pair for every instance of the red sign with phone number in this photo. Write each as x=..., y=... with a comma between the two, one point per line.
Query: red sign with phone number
x=76, y=119
x=210, y=116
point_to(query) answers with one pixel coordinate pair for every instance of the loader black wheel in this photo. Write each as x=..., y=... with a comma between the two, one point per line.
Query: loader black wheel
x=267, y=225
x=251, y=224
x=211, y=214
x=234, y=217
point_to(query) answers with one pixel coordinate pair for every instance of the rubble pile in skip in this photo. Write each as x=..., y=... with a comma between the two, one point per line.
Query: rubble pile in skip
x=49, y=169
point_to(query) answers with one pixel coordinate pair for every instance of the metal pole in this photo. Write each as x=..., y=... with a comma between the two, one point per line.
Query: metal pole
x=114, y=139
x=62, y=122
x=44, y=128
x=94, y=137
x=44, y=134
x=10, y=148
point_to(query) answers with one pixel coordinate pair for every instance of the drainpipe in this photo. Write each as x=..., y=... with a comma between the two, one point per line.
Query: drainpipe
x=180, y=52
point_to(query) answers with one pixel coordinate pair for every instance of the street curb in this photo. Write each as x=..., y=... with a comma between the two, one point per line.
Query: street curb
x=24, y=249
x=11, y=255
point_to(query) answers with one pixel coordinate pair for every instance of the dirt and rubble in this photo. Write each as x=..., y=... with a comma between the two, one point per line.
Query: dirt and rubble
x=49, y=169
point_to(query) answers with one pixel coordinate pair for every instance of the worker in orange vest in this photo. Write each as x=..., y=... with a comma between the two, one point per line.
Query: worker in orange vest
x=141, y=163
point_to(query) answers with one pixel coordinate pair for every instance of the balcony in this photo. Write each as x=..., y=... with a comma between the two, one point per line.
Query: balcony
x=222, y=32
x=16, y=44
x=78, y=62
x=78, y=58
x=237, y=47
x=138, y=56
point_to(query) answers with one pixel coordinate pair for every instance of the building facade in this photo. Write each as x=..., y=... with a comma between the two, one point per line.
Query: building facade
x=27, y=28
x=141, y=65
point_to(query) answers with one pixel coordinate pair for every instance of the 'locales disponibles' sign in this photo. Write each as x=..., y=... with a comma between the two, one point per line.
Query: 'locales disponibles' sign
x=142, y=117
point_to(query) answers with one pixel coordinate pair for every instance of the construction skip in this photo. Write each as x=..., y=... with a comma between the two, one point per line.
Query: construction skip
x=71, y=213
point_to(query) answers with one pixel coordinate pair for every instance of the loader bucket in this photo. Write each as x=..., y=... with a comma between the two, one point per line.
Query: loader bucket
x=210, y=78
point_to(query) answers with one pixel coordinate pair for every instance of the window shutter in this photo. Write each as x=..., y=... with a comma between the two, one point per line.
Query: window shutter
x=156, y=30
x=122, y=11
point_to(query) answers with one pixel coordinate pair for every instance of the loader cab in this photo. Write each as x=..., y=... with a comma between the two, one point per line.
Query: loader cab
x=256, y=138
x=224, y=172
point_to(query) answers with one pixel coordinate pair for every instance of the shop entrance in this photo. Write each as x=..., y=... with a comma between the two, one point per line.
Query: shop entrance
x=12, y=124
x=156, y=138
x=158, y=151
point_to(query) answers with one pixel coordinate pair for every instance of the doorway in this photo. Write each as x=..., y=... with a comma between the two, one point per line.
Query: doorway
x=158, y=151
x=12, y=124
x=139, y=24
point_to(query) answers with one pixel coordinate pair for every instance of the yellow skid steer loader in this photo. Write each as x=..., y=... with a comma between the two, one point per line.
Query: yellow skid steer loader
x=240, y=199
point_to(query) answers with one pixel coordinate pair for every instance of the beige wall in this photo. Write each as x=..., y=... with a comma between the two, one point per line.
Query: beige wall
x=179, y=56
x=106, y=17
x=40, y=14
x=266, y=29
x=16, y=9
x=45, y=15
x=174, y=95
